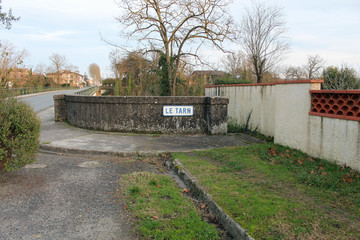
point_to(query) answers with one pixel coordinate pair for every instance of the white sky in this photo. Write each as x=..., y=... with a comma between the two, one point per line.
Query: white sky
x=330, y=28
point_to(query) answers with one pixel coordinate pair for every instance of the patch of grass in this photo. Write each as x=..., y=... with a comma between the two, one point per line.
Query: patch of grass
x=161, y=210
x=279, y=193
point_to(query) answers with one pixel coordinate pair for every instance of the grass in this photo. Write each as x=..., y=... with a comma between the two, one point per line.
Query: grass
x=279, y=193
x=161, y=210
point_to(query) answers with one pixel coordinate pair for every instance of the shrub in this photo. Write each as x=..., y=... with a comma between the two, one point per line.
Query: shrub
x=227, y=79
x=340, y=78
x=19, y=134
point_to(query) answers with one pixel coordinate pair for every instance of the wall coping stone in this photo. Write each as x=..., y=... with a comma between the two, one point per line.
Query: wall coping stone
x=268, y=84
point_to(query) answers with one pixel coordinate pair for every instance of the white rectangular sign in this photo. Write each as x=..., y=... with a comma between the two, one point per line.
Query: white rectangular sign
x=178, y=111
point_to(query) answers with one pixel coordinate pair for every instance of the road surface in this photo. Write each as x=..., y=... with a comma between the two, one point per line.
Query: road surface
x=43, y=101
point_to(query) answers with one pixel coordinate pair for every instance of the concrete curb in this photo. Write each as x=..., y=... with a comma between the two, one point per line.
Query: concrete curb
x=233, y=228
x=46, y=149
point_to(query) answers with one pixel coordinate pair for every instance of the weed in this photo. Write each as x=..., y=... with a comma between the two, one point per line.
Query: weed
x=247, y=129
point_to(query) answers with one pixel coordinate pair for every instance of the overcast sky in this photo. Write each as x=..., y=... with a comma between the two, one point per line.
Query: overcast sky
x=329, y=28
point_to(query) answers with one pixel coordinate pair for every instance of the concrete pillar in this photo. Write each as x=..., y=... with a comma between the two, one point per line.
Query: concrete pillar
x=216, y=115
x=60, y=108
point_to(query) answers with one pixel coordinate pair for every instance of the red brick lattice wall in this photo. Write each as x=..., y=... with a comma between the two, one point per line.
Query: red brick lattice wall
x=336, y=104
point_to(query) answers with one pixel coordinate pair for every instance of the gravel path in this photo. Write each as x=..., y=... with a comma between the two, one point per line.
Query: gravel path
x=66, y=197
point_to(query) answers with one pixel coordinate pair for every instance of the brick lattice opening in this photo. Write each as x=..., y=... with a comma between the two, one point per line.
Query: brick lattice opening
x=336, y=104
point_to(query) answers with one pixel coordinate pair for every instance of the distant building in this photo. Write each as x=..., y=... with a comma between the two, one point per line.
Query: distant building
x=19, y=77
x=67, y=77
x=209, y=77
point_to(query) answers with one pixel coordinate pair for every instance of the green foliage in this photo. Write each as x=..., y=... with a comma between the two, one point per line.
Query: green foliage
x=227, y=79
x=276, y=192
x=109, y=82
x=19, y=134
x=163, y=72
x=340, y=78
x=118, y=88
x=129, y=85
x=161, y=210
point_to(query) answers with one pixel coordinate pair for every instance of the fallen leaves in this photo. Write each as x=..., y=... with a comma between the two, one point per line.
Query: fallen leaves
x=186, y=190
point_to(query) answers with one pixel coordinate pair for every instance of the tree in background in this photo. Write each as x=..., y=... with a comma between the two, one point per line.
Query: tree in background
x=168, y=26
x=10, y=59
x=40, y=69
x=72, y=68
x=57, y=63
x=238, y=66
x=314, y=66
x=134, y=74
x=294, y=73
x=6, y=18
x=262, y=35
x=95, y=73
x=115, y=58
x=311, y=70
x=342, y=78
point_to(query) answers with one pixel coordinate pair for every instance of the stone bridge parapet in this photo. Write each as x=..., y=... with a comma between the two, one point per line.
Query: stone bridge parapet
x=144, y=114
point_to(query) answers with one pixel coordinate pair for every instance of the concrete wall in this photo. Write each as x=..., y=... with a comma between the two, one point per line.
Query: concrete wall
x=282, y=110
x=142, y=114
x=262, y=99
x=335, y=139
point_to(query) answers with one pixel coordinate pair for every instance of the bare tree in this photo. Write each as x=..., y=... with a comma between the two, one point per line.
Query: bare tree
x=239, y=66
x=314, y=66
x=294, y=73
x=168, y=25
x=10, y=59
x=115, y=57
x=7, y=18
x=58, y=63
x=94, y=71
x=40, y=69
x=72, y=68
x=233, y=62
x=262, y=36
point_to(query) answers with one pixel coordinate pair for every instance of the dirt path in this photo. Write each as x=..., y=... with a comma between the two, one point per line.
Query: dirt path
x=66, y=197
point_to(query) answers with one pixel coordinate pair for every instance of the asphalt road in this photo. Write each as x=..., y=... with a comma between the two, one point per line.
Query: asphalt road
x=66, y=197
x=43, y=101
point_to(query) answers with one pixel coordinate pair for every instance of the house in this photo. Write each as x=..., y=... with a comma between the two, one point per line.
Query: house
x=20, y=77
x=209, y=77
x=67, y=77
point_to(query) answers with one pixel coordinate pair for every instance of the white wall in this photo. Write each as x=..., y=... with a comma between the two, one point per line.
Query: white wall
x=334, y=139
x=243, y=100
x=282, y=110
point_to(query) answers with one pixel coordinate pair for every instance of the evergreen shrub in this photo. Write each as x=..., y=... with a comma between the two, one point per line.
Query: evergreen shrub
x=19, y=134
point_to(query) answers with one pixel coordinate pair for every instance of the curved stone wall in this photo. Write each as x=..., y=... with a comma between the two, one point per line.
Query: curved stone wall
x=142, y=114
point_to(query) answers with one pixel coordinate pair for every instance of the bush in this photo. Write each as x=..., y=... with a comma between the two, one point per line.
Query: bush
x=227, y=79
x=343, y=78
x=19, y=134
